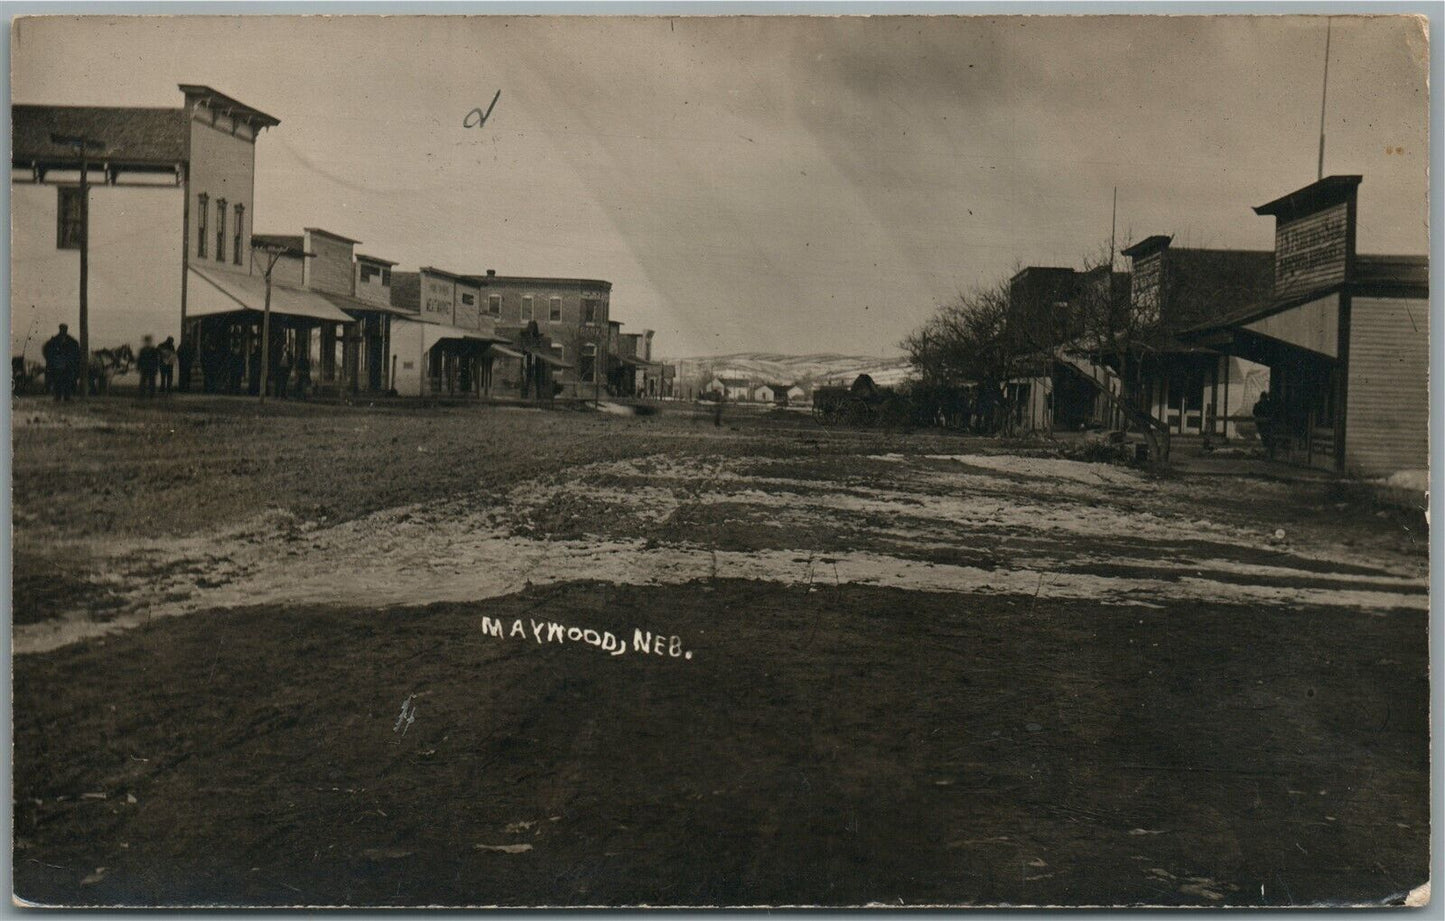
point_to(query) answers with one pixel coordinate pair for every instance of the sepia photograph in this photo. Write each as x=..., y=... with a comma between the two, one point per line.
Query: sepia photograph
x=720, y=461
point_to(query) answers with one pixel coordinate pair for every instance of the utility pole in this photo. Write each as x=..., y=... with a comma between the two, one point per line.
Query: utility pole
x=1113, y=228
x=1324, y=93
x=83, y=146
x=274, y=253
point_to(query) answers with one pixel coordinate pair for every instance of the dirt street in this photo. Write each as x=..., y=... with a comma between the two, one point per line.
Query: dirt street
x=501, y=656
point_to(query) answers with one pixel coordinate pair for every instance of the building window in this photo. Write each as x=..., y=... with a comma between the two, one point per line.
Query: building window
x=220, y=230
x=559, y=351
x=203, y=210
x=556, y=310
x=70, y=222
x=386, y=277
x=588, y=366
x=369, y=271
x=469, y=299
x=494, y=305
x=240, y=222
x=591, y=307
x=526, y=307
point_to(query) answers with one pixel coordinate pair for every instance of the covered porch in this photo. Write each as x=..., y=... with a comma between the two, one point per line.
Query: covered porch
x=224, y=318
x=437, y=360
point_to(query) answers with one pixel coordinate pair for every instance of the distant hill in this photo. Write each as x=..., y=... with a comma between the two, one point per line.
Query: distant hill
x=766, y=368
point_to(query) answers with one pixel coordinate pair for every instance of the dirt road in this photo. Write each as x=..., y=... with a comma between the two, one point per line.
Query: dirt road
x=492, y=656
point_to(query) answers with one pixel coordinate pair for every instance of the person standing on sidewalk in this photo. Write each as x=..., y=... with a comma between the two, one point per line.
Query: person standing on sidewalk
x=167, y=356
x=148, y=362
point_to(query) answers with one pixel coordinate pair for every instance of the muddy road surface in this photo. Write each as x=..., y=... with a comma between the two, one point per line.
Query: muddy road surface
x=491, y=656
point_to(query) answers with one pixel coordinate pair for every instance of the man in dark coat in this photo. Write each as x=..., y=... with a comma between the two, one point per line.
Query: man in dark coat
x=148, y=363
x=185, y=358
x=167, y=355
x=62, y=363
x=1263, y=413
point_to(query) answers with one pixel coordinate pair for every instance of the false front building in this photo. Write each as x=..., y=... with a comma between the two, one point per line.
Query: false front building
x=442, y=342
x=1345, y=337
x=169, y=188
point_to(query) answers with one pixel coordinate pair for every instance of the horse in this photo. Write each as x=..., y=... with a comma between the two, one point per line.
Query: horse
x=25, y=376
x=106, y=364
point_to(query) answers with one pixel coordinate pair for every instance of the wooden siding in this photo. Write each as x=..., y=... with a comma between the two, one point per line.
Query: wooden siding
x=438, y=299
x=1314, y=325
x=1311, y=253
x=1146, y=290
x=468, y=316
x=330, y=269
x=1388, y=413
x=222, y=166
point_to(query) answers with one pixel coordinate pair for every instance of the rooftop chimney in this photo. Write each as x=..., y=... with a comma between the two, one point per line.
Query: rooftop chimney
x=491, y=273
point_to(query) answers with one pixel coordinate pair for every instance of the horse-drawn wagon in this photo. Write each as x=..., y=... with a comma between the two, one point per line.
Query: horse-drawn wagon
x=861, y=405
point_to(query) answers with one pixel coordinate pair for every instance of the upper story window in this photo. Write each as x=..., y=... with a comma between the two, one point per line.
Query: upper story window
x=240, y=224
x=469, y=299
x=220, y=230
x=369, y=271
x=203, y=210
x=591, y=309
x=386, y=277
x=526, y=307
x=555, y=313
x=69, y=219
x=494, y=305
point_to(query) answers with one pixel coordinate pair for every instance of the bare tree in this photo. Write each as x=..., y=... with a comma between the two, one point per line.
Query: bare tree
x=972, y=340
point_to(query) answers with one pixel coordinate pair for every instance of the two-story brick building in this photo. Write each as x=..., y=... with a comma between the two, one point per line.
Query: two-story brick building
x=572, y=321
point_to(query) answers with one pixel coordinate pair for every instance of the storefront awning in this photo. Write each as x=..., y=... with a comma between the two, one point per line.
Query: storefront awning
x=212, y=293
x=506, y=352
x=432, y=333
x=357, y=305
x=635, y=362
x=549, y=359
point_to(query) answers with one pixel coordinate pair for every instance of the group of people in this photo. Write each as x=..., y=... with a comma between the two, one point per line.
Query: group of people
x=156, y=360
x=223, y=369
x=65, y=363
x=226, y=367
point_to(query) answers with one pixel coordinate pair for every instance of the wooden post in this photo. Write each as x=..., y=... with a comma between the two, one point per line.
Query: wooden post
x=266, y=333
x=84, y=272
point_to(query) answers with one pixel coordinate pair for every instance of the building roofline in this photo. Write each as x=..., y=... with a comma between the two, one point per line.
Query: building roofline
x=433, y=270
x=1147, y=245
x=538, y=280
x=229, y=102
x=328, y=233
x=1328, y=191
x=362, y=257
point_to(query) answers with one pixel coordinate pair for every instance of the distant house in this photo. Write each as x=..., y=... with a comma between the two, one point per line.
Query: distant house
x=798, y=394
x=766, y=394
x=730, y=388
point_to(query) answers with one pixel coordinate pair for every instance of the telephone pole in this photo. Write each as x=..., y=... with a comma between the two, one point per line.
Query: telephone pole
x=83, y=146
x=1324, y=94
x=274, y=254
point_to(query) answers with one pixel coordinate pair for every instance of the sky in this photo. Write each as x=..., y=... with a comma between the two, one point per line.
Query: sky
x=793, y=185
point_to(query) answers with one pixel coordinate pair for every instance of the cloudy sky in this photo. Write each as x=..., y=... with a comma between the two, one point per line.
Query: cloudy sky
x=770, y=184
